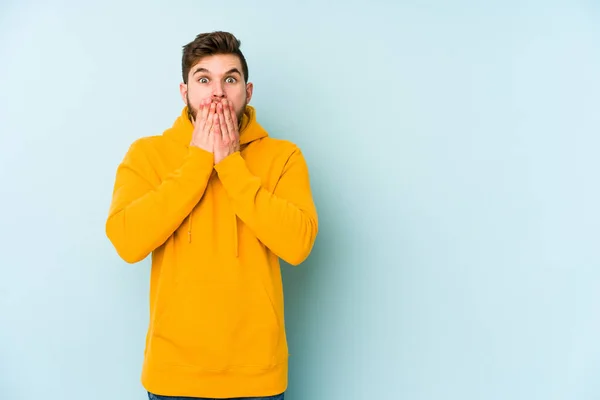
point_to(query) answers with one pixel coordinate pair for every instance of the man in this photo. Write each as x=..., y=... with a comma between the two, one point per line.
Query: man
x=217, y=202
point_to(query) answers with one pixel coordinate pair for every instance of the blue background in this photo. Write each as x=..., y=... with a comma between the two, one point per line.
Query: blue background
x=453, y=148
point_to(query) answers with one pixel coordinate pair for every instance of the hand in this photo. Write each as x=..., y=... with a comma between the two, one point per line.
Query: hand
x=202, y=136
x=225, y=131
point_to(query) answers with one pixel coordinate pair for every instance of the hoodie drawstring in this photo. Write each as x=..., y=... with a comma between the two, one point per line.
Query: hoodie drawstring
x=235, y=236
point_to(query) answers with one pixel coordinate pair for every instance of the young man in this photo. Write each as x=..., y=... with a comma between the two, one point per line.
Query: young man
x=217, y=202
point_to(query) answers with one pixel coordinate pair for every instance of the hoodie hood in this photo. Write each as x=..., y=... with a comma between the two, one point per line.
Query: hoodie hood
x=250, y=130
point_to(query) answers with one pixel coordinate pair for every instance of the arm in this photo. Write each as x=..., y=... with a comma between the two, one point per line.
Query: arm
x=142, y=216
x=286, y=220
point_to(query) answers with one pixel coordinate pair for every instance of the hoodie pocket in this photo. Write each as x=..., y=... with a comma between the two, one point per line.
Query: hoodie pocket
x=216, y=327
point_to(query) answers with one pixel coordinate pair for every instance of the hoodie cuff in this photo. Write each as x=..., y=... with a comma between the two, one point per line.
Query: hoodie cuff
x=202, y=158
x=235, y=175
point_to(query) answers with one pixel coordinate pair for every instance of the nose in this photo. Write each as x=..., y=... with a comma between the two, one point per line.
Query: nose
x=218, y=92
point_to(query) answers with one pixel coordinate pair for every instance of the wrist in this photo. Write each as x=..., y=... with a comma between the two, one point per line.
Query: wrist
x=224, y=159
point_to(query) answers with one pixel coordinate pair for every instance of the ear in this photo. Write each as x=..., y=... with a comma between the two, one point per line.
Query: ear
x=249, y=90
x=183, y=90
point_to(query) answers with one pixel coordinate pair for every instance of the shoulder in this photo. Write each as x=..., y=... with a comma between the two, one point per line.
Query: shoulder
x=147, y=142
x=152, y=143
x=140, y=149
x=280, y=147
x=279, y=154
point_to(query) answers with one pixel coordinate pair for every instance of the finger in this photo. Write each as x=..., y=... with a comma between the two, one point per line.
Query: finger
x=228, y=122
x=234, y=122
x=216, y=135
x=202, y=113
x=209, y=118
x=216, y=127
x=233, y=115
x=209, y=124
x=224, y=127
x=228, y=117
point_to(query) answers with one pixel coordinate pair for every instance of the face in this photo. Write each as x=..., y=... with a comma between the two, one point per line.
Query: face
x=216, y=77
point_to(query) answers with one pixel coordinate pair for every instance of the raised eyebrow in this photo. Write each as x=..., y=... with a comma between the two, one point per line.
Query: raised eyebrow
x=204, y=70
x=233, y=71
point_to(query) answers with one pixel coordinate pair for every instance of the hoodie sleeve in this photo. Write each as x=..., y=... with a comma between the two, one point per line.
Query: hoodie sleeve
x=144, y=213
x=285, y=220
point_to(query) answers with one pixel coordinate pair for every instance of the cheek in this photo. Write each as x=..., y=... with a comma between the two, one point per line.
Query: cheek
x=197, y=93
x=238, y=97
x=236, y=92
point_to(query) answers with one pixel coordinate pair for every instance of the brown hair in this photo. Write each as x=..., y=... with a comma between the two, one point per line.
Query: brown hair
x=208, y=44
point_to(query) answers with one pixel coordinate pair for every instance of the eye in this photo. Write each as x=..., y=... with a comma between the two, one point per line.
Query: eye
x=231, y=80
x=203, y=80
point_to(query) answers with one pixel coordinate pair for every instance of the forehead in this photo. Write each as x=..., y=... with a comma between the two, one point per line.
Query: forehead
x=217, y=64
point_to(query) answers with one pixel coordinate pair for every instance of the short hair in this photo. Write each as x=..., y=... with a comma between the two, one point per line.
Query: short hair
x=208, y=44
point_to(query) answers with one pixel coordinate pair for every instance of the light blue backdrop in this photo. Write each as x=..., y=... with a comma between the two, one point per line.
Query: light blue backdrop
x=454, y=150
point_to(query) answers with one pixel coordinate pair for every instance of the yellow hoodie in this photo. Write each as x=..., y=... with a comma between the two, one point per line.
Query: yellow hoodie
x=216, y=234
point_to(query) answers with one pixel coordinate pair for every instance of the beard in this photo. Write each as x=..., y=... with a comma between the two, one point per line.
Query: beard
x=193, y=112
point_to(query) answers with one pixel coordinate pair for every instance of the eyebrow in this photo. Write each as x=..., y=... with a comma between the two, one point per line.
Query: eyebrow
x=231, y=71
